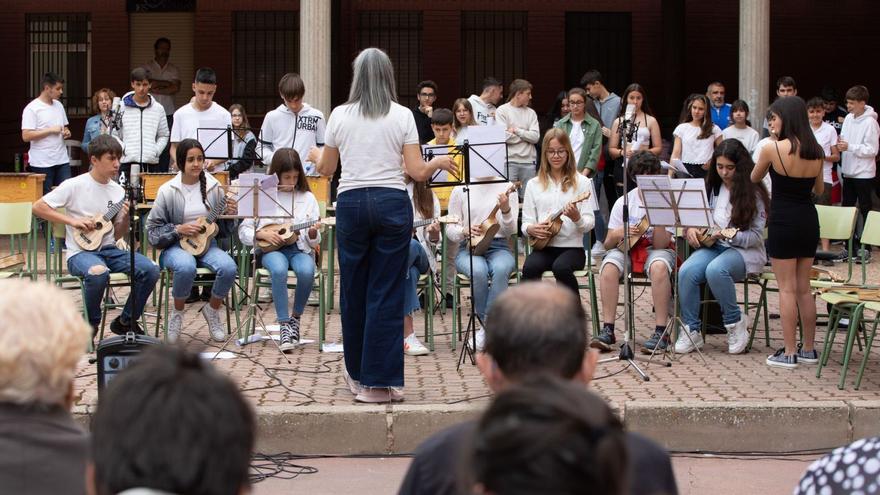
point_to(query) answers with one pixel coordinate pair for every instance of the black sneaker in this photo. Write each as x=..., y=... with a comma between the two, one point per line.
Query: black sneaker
x=294, y=330
x=656, y=343
x=805, y=357
x=604, y=340
x=781, y=360
x=286, y=343
x=841, y=257
x=206, y=293
x=867, y=256
x=119, y=328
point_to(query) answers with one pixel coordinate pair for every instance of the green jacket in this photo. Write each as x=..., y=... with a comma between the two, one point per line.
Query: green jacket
x=592, y=141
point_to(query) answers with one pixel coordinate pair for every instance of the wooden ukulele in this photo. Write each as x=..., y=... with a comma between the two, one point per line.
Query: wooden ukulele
x=642, y=227
x=289, y=233
x=429, y=221
x=480, y=243
x=704, y=236
x=555, y=221
x=91, y=240
x=198, y=244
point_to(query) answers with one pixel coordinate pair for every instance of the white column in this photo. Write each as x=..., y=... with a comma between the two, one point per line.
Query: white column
x=314, y=52
x=754, y=57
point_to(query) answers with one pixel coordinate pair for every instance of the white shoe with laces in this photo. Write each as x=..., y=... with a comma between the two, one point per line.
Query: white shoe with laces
x=413, y=347
x=684, y=345
x=480, y=338
x=737, y=336
x=215, y=326
x=175, y=321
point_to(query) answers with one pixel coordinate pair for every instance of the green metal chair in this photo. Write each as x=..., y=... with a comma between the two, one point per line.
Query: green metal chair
x=17, y=228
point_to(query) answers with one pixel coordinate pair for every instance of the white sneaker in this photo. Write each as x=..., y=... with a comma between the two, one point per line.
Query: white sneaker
x=379, y=395
x=737, y=336
x=481, y=339
x=215, y=326
x=175, y=321
x=684, y=345
x=413, y=347
x=597, y=253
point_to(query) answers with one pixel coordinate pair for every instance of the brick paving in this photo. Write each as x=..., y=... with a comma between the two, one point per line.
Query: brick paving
x=314, y=377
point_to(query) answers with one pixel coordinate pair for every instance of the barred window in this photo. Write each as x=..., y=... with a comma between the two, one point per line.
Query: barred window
x=493, y=45
x=601, y=41
x=399, y=34
x=61, y=43
x=266, y=48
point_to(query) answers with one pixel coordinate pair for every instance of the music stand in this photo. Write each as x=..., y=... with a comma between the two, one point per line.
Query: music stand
x=482, y=164
x=676, y=203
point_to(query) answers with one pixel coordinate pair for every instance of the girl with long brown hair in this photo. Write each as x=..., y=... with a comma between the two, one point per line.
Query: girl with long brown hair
x=422, y=258
x=696, y=136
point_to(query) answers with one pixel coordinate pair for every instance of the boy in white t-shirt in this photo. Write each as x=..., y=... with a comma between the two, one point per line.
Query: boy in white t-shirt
x=658, y=261
x=826, y=136
x=484, y=103
x=44, y=126
x=201, y=113
x=294, y=124
x=84, y=197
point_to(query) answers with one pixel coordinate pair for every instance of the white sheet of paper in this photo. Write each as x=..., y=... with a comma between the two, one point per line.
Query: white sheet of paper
x=332, y=347
x=592, y=203
x=693, y=205
x=487, y=160
x=214, y=138
x=267, y=196
x=432, y=151
x=215, y=355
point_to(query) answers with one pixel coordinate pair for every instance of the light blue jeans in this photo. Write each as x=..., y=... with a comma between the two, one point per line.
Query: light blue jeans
x=496, y=264
x=303, y=265
x=720, y=267
x=184, y=267
x=417, y=265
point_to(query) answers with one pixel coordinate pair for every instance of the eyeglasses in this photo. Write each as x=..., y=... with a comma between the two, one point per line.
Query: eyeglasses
x=428, y=95
x=557, y=152
x=575, y=103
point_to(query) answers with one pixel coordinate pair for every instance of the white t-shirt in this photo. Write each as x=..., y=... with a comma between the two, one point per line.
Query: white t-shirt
x=167, y=73
x=50, y=150
x=193, y=206
x=187, y=121
x=827, y=137
x=723, y=208
x=693, y=149
x=484, y=113
x=577, y=138
x=371, y=149
x=748, y=136
x=757, y=154
x=636, y=212
x=84, y=197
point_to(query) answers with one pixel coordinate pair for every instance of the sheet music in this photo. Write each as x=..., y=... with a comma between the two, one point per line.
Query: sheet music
x=214, y=137
x=487, y=160
x=663, y=198
x=435, y=150
x=267, y=202
x=654, y=190
x=693, y=204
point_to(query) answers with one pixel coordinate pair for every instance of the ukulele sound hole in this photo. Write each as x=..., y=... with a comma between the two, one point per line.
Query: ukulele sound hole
x=202, y=229
x=99, y=225
x=282, y=231
x=192, y=243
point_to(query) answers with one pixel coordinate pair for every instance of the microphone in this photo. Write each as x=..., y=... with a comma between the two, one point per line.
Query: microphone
x=630, y=110
x=134, y=179
x=116, y=113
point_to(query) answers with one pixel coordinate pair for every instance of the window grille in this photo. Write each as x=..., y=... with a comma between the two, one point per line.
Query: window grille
x=493, y=45
x=61, y=43
x=399, y=34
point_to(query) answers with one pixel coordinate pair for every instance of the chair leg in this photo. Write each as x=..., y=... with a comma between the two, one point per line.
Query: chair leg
x=868, y=345
x=850, y=336
x=456, y=312
x=594, y=302
x=830, y=333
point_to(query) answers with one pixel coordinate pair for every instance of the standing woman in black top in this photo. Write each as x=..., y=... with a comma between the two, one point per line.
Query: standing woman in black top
x=795, y=166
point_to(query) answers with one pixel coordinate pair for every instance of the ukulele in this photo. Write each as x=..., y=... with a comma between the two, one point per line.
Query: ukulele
x=480, y=243
x=289, y=233
x=555, y=221
x=198, y=244
x=429, y=221
x=91, y=240
x=704, y=236
x=642, y=227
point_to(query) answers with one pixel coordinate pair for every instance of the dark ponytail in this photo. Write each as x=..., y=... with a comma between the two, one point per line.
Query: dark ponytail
x=203, y=188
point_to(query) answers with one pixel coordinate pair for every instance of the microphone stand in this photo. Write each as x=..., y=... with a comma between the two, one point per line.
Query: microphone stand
x=132, y=189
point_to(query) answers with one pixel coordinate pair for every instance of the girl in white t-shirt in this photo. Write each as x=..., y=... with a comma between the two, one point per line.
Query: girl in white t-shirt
x=695, y=137
x=464, y=117
x=740, y=130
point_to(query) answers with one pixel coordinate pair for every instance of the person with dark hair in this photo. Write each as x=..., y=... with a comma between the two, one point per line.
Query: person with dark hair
x=244, y=143
x=826, y=136
x=649, y=253
x=535, y=328
x=294, y=124
x=191, y=194
x=422, y=257
x=171, y=423
x=795, y=166
x=607, y=104
x=557, y=183
x=736, y=203
x=164, y=78
x=785, y=86
x=144, y=126
x=858, y=147
x=202, y=112
x=741, y=129
x=695, y=137
x=559, y=109
x=296, y=200
x=442, y=129
x=44, y=126
x=834, y=113
x=377, y=142
x=426, y=94
x=646, y=137
x=547, y=435
x=521, y=123
x=484, y=104
x=84, y=197
x=720, y=111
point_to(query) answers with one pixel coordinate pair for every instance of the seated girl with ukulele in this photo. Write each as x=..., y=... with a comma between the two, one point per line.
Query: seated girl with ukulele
x=191, y=196
x=726, y=254
x=284, y=249
x=422, y=258
x=649, y=254
x=559, y=193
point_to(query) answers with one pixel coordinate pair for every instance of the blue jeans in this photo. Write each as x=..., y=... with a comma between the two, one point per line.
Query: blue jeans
x=116, y=261
x=495, y=265
x=303, y=265
x=417, y=264
x=55, y=175
x=374, y=226
x=183, y=265
x=720, y=267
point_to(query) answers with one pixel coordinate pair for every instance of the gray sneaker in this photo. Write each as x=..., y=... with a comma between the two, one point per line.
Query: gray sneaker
x=215, y=326
x=805, y=357
x=175, y=321
x=779, y=359
x=286, y=343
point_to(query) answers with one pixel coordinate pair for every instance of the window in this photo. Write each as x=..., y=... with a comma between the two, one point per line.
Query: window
x=601, y=41
x=61, y=43
x=266, y=48
x=399, y=34
x=493, y=45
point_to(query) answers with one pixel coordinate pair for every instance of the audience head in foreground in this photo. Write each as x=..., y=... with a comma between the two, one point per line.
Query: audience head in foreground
x=172, y=423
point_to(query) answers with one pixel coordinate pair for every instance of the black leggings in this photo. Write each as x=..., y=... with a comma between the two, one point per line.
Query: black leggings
x=858, y=190
x=562, y=261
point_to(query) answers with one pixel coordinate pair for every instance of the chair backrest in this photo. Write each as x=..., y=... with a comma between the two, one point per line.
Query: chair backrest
x=837, y=222
x=871, y=231
x=15, y=218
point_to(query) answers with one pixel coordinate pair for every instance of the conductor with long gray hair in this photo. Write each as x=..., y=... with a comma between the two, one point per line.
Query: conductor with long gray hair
x=373, y=135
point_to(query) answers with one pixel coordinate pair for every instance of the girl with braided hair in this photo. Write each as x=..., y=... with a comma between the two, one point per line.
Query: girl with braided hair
x=191, y=194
